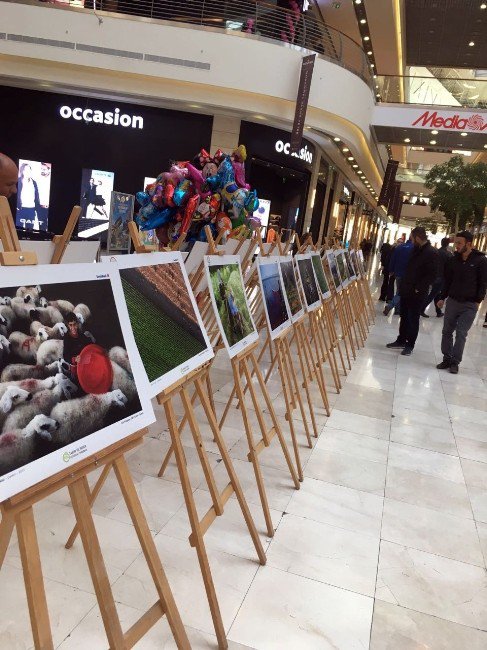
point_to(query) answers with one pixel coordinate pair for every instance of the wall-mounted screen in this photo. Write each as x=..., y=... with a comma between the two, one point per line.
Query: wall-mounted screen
x=33, y=194
x=96, y=192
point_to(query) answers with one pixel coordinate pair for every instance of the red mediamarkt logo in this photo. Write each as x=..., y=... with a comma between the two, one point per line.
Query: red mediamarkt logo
x=474, y=122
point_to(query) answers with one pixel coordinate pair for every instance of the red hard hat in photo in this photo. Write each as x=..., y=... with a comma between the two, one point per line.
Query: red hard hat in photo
x=95, y=372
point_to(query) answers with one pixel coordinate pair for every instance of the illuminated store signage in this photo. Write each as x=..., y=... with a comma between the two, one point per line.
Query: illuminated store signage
x=302, y=154
x=113, y=118
x=432, y=119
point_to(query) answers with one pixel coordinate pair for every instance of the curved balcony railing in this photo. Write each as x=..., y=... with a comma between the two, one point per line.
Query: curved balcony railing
x=245, y=17
x=433, y=91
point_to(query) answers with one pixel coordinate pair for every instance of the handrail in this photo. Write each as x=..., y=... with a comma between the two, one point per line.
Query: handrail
x=434, y=91
x=247, y=18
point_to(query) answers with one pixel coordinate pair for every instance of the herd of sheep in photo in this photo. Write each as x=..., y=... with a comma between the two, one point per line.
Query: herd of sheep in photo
x=42, y=406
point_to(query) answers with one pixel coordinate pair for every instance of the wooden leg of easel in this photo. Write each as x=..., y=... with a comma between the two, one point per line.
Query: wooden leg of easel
x=94, y=493
x=294, y=382
x=237, y=488
x=336, y=338
x=153, y=560
x=249, y=372
x=332, y=341
x=79, y=492
x=344, y=329
x=195, y=525
x=286, y=389
x=170, y=451
x=275, y=423
x=308, y=370
x=33, y=579
x=254, y=457
x=6, y=529
x=328, y=345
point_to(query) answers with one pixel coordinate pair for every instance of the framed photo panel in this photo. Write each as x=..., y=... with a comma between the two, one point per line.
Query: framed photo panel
x=167, y=325
x=227, y=292
x=333, y=266
x=71, y=378
x=308, y=281
x=320, y=275
x=350, y=269
x=291, y=290
x=342, y=267
x=275, y=305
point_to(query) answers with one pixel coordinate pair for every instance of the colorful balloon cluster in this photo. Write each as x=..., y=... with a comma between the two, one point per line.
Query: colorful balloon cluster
x=210, y=190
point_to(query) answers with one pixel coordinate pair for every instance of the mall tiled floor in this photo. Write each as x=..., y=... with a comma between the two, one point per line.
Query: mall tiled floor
x=383, y=547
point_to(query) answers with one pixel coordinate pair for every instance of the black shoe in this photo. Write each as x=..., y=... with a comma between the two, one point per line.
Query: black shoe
x=386, y=311
x=444, y=365
x=439, y=314
x=424, y=315
x=454, y=368
x=407, y=352
x=396, y=345
x=485, y=324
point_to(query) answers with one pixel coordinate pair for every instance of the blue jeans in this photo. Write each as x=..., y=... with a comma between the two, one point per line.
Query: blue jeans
x=396, y=300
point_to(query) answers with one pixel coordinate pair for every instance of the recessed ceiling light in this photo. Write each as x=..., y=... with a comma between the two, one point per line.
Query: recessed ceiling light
x=471, y=44
x=434, y=132
x=483, y=5
x=366, y=38
x=336, y=139
x=432, y=141
x=358, y=2
x=371, y=65
x=355, y=166
x=407, y=140
x=485, y=146
x=350, y=158
x=363, y=21
x=345, y=149
x=370, y=52
x=464, y=134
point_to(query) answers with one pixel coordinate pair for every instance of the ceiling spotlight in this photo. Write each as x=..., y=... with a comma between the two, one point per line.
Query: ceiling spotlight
x=407, y=140
x=363, y=21
x=485, y=146
x=370, y=52
x=358, y=2
x=432, y=141
x=366, y=38
x=434, y=132
x=471, y=44
x=350, y=158
x=464, y=135
x=336, y=139
x=483, y=5
x=345, y=149
x=355, y=166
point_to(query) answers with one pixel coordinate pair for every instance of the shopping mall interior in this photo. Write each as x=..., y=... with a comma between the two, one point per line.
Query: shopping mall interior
x=273, y=434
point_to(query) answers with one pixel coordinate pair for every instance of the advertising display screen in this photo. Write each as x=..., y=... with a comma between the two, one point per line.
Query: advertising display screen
x=96, y=192
x=33, y=194
x=263, y=211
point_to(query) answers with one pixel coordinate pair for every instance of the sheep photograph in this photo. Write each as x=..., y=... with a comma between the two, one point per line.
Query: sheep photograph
x=65, y=373
x=171, y=338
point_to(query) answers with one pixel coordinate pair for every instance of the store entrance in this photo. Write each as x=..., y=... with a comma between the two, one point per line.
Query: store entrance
x=285, y=188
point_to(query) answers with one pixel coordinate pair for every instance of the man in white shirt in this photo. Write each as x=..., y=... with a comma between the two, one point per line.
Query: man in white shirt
x=9, y=175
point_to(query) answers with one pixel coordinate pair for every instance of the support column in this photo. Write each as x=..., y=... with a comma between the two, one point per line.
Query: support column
x=225, y=134
x=311, y=193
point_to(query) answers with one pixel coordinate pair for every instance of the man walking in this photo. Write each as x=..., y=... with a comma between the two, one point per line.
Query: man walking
x=464, y=289
x=435, y=294
x=419, y=276
x=397, y=268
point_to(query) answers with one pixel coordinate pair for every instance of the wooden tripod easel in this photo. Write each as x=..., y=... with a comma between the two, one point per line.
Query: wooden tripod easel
x=17, y=513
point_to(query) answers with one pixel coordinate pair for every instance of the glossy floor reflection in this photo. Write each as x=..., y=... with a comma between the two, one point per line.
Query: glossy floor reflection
x=383, y=547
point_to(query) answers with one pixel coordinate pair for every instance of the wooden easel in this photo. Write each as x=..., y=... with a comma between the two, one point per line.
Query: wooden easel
x=17, y=512
x=198, y=381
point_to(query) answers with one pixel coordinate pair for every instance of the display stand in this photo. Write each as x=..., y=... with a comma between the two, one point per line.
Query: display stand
x=17, y=513
x=61, y=241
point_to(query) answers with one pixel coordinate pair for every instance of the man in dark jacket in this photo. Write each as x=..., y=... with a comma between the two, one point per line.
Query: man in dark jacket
x=419, y=276
x=435, y=294
x=385, y=257
x=465, y=287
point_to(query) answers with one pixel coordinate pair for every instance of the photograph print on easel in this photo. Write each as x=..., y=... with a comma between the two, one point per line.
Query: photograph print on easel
x=320, y=276
x=227, y=292
x=342, y=267
x=293, y=298
x=70, y=381
x=275, y=306
x=332, y=265
x=350, y=269
x=308, y=281
x=355, y=264
x=168, y=330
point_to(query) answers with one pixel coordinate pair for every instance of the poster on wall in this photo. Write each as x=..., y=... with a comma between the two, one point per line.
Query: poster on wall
x=227, y=292
x=308, y=281
x=320, y=276
x=275, y=306
x=33, y=195
x=121, y=213
x=333, y=266
x=168, y=330
x=96, y=193
x=263, y=212
x=293, y=298
x=77, y=386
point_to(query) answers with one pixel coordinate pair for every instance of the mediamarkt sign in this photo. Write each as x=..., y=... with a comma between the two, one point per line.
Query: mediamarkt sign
x=432, y=119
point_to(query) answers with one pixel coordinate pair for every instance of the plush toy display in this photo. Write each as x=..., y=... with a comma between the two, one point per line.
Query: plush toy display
x=210, y=190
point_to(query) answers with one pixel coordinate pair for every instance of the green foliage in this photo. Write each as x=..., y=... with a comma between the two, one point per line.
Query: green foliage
x=432, y=225
x=459, y=191
x=226, y=279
